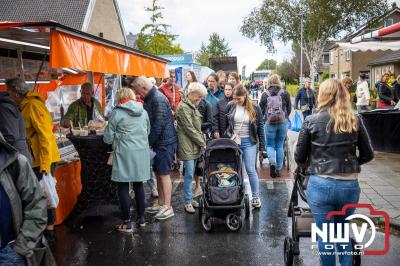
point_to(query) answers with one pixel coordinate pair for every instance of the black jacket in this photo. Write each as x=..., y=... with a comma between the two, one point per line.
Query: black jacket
x=396, y=91
x=324, y=152
x=205, y=110
x=286, y=104
x=384, y=92
x=162, y=130
x=256, y=127
x=220, y=116
x=303, y=98
x=12, y=125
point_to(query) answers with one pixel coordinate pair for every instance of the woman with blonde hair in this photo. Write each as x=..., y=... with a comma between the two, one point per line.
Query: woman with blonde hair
x=332, y=146
x=276, y=107
x=127, y=130
x=245, y=126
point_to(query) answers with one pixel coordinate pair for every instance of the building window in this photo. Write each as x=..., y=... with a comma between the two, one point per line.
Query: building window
x=346, y=74
x=348, y=55
x=325, y=59
x=388, y=22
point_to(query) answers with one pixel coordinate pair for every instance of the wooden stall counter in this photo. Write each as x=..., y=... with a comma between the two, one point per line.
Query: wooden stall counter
x=69, y=186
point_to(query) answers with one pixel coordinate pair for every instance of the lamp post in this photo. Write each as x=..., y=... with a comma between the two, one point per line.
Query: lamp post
x=301, y=48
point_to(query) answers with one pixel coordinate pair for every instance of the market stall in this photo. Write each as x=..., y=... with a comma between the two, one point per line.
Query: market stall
x=57, y=59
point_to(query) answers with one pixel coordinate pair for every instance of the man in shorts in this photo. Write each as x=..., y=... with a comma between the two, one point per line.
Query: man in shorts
x=163, y=139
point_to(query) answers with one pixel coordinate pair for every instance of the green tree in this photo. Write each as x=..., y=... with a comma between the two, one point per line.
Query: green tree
x=267, y=64
x=322, y=20
x=217, y=46
x=286, y=71
x=154, y=37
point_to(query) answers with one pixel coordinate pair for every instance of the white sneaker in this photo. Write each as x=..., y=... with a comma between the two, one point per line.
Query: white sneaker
x=153, y=209
x=197, y=192
x=195, y=204
x=256, y=202
x=189, y=208
x=154, y=192
x=164, y=213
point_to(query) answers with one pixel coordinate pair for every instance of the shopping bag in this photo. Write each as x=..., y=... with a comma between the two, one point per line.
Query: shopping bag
x=48, y=185
x=296, y=123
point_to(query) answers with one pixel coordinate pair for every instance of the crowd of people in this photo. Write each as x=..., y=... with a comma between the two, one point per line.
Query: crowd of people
x=152, y=127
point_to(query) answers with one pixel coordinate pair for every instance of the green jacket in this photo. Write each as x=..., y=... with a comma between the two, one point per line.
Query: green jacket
x=127, y=130
x=77, y=112
x=190, y=138
x=28, y=204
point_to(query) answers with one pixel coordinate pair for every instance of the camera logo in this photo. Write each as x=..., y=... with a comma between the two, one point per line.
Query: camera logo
x=362, y=240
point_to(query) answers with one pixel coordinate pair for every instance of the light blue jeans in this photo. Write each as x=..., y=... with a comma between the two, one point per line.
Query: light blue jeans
x=187, y=180
x=275, y=139
x=249, y=159
x=325, y=195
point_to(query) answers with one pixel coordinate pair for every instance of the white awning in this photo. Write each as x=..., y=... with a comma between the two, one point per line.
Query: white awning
x=370, y=46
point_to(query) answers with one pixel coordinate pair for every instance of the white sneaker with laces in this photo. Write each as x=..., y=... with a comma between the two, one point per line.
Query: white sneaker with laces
x=153, y=209
x=189, y=208
x=164, y=213
x=195, y=204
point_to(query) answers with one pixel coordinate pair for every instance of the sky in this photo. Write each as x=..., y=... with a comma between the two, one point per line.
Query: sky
x=195, y=20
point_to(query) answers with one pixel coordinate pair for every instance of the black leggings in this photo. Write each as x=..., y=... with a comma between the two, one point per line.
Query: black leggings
x=125, y=200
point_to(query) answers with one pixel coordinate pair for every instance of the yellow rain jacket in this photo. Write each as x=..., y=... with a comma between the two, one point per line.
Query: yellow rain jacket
x=39, y=131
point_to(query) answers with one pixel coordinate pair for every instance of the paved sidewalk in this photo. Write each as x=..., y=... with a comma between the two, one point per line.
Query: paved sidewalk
x=380, y=185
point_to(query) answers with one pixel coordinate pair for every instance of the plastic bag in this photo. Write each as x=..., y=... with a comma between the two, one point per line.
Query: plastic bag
x=48, y=185
x=297, y=123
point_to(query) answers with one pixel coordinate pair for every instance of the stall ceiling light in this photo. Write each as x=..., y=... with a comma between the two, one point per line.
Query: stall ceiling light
x=25, y=43
x=30, y=82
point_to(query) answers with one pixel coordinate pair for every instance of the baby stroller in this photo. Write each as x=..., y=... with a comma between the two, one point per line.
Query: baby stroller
x=301, y=219
x=223, y=187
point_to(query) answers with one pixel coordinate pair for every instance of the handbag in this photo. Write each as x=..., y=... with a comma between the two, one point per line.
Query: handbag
x=305, y=108
x=48, y=185
x=111, y=156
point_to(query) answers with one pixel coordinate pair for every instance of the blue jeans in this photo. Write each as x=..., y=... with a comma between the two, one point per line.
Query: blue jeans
x=249, y=158
x=325, y=195
x=187, y=180
x=8, y=257
x=275, y=139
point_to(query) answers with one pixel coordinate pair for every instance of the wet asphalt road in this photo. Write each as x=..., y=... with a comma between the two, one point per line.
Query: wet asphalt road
x=91, y=239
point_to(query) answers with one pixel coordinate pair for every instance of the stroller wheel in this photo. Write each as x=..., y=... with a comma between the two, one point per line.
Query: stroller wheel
x=201, y=208
x=288, y=251
x=247, y=206
x=234, y=222
x=357, y=257
x=206, y=222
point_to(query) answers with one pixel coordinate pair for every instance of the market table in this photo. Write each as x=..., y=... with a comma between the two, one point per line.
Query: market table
x=383, y=127
x=68, y=176
x=97, y=187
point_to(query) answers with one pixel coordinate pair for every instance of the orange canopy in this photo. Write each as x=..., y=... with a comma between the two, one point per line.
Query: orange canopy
x=69, y=51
